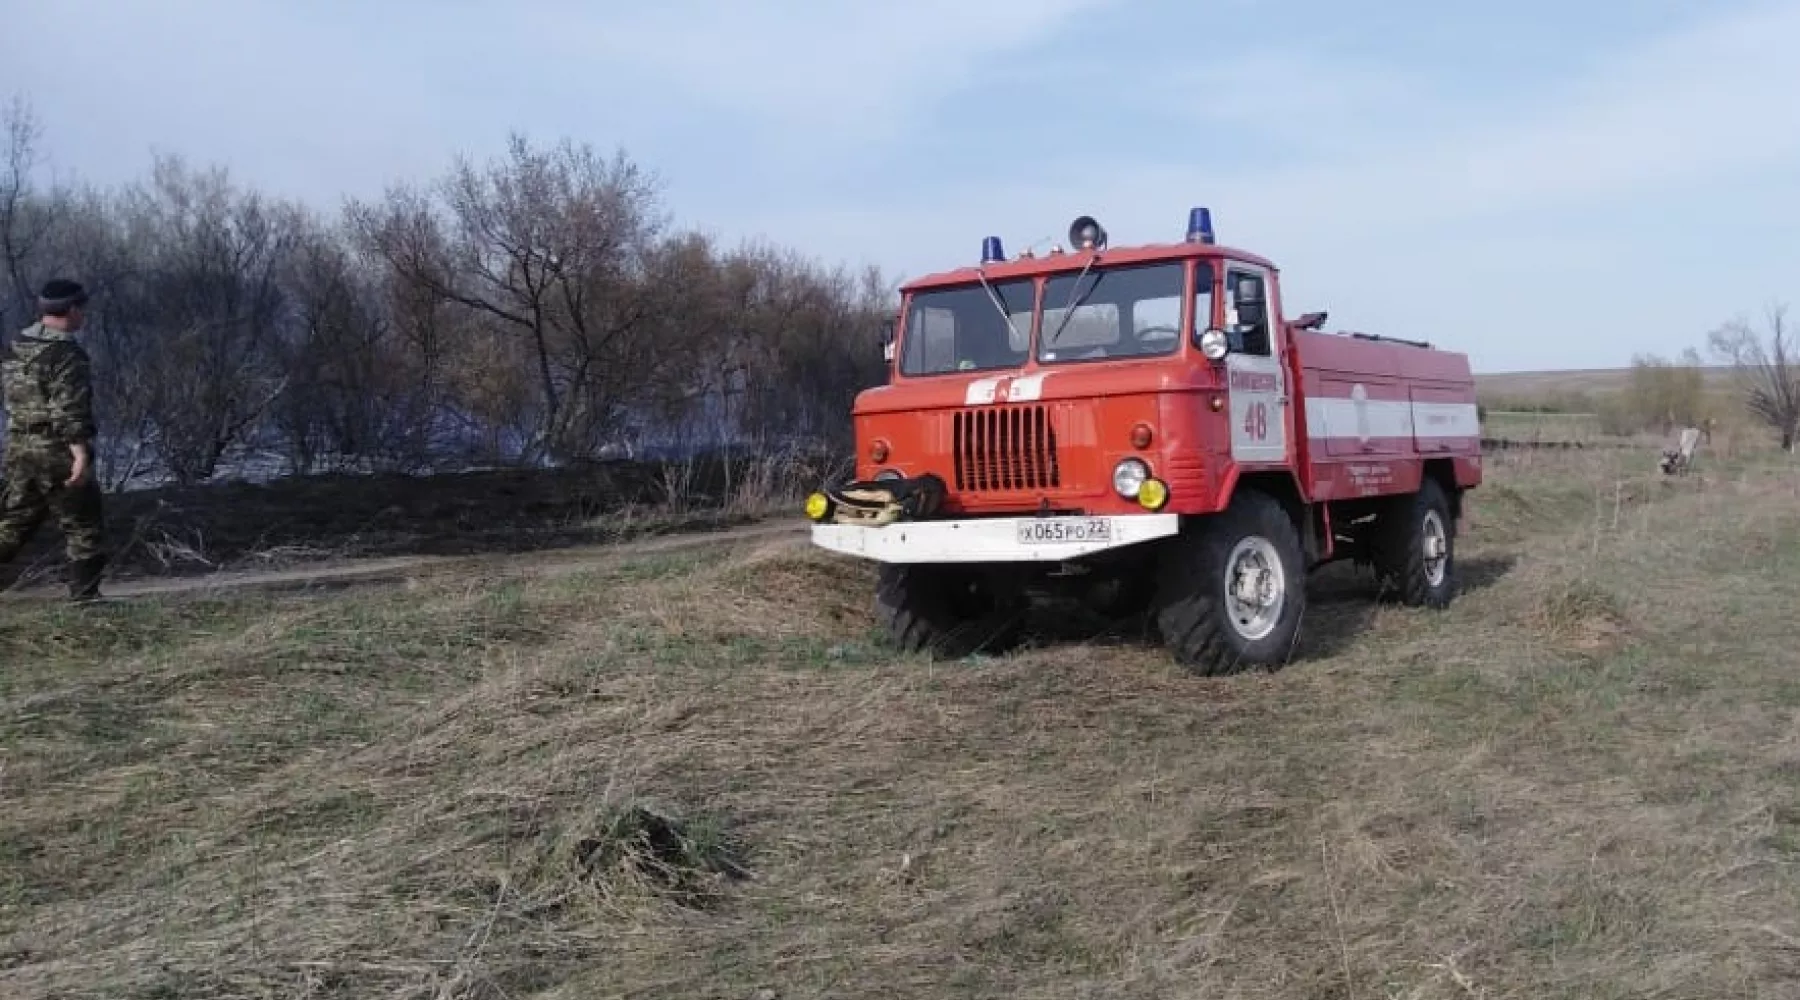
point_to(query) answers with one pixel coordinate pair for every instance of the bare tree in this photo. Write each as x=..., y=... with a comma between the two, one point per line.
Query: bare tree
x=536, y=307
x=207, y=303
x=25, y=216
x=1767, y=369
x=352, y=399
x=92, y=241
x=546, y=247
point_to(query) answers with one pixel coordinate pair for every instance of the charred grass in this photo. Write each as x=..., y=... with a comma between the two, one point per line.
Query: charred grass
x=708, y=778
x=301, y=520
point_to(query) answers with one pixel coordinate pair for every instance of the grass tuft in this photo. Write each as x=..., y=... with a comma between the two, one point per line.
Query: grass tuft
x=640, y=850
x=1582, y=615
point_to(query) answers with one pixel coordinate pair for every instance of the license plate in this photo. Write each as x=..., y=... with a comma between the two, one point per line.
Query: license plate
x=1052, y=530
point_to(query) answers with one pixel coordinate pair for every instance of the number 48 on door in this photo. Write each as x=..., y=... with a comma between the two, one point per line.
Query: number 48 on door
x=1256, y=421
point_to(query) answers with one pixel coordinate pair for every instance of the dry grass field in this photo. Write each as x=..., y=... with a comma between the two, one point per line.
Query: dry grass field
x=700, y=774
x=1573, y=380
x=1597, y=408
x=1526, y=426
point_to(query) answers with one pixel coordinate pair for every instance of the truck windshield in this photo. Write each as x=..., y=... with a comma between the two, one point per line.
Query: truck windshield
x=1121, y=312
x=962, y=329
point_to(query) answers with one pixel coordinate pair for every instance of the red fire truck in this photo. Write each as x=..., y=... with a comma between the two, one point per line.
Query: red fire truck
x=1140, y=427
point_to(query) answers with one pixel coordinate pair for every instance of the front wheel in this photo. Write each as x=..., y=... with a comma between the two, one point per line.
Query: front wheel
x=948, y=611
x=1231, y=591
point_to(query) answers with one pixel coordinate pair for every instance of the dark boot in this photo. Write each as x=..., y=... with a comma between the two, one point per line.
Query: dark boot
x=84, y=579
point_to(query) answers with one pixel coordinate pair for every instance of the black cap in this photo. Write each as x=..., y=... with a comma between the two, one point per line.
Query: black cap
x=59, y=295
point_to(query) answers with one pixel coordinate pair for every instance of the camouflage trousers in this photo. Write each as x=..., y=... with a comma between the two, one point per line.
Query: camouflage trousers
x=33, y=489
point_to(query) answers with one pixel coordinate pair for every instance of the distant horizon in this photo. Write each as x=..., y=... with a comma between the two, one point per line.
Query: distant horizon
x=1601, y=370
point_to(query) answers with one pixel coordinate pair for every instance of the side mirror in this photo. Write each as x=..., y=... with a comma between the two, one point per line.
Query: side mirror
x=887, y=340
x=1252, y=307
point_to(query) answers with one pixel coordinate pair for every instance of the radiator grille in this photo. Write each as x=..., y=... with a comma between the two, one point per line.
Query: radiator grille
x=1005, y=448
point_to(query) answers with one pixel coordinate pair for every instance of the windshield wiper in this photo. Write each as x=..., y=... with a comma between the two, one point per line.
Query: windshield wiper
x=999, y=306
x=1069, y=309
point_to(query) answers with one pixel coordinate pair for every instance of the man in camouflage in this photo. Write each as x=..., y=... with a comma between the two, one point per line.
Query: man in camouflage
x=45, y=381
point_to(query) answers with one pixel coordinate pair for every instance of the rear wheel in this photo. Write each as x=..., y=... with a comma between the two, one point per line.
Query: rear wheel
x=1232, y=592
x=1416, y=552
x=946, y=610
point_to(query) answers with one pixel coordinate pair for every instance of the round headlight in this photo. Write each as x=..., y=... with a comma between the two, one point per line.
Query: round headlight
x=1129, y=476
x=1214, y=345
x=817, y=506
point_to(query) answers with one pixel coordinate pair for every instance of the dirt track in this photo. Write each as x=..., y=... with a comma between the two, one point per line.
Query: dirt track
x=402, y=568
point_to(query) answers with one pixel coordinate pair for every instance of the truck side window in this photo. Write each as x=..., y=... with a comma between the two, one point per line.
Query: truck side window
x=1247, y=314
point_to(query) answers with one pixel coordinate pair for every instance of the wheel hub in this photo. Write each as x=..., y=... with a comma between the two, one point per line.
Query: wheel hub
x=1435, y=547
x=1255, y=587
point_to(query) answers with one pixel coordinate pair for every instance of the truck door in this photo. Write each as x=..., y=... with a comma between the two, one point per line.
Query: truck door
x=1255, y=380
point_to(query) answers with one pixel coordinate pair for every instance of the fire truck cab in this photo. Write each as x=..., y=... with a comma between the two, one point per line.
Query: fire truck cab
x=1141, y=427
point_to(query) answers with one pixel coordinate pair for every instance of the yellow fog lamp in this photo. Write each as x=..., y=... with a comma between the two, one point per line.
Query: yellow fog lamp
x=1153, y=494
x=818, y=506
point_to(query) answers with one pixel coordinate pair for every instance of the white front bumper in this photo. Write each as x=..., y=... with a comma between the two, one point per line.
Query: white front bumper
x=995, y=539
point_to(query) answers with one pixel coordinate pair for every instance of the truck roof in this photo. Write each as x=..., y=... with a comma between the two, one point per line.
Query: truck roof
x=1074, y=260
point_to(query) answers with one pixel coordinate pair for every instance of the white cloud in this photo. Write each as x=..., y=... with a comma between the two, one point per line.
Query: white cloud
x=1308, y=104
x=836, y=69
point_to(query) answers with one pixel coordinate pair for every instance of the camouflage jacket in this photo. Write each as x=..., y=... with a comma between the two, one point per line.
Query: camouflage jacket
x=46, y=384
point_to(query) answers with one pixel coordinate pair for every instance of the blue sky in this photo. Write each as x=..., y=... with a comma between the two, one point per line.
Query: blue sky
x=1542, y=185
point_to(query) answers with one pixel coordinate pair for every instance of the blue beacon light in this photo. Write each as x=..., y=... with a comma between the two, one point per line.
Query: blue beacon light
x=1200, y=228
x=991, y=250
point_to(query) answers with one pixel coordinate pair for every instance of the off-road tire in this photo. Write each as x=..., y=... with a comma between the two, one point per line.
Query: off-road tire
x=1400, y=547
x=944, y=610
x=1191, y=610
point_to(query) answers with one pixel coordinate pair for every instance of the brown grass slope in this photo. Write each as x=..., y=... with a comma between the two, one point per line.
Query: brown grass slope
x=694, y=777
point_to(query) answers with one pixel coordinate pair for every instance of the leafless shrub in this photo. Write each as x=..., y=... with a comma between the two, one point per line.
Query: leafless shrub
x=676, y=485
x=171, y=550
x=1663, y=396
